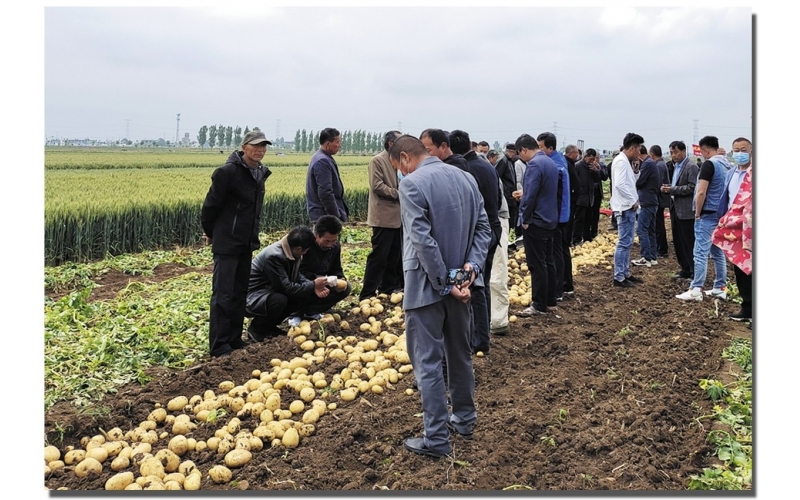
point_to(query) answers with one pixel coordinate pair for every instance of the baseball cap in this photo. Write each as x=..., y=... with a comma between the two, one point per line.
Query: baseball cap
x=255, y=137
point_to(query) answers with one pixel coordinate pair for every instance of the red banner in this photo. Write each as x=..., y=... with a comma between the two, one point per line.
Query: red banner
x=696, y=150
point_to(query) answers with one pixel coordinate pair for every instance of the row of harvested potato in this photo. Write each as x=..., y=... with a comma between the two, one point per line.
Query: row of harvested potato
x=369, y=369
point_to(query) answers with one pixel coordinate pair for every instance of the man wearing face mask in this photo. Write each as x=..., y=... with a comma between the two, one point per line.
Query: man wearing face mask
x=734, y=232
x=384, y=268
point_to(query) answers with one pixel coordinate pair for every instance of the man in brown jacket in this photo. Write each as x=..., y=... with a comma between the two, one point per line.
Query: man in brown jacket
x=384, y=268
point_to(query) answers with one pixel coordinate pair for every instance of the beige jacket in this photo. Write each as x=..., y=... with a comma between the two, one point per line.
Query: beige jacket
x=384, y=204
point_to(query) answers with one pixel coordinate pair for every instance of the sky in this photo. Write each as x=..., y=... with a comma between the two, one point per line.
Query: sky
x=584, y=73
x=495, y=73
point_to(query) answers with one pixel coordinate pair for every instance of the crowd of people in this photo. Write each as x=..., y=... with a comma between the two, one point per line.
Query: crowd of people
x=441, y=208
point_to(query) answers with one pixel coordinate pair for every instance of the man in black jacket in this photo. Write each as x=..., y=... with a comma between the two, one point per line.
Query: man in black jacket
x=587, y=172
x=508, y=179
x=489, y=186
x=437, y=143
x=278, y=288
x=230, y=219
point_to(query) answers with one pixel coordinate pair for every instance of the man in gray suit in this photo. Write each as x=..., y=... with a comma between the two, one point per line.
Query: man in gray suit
x=445, y=229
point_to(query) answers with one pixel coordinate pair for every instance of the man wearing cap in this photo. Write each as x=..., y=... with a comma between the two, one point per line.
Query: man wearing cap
x=505, y=170
x=230, y=219
x=324, y=189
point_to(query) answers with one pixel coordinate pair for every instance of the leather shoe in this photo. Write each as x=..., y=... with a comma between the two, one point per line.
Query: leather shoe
x=238, y=343
x=634, y=279
x=417, y=445
x=453, y=430
x=623, y=283
x=680, y=276
x=255, y=337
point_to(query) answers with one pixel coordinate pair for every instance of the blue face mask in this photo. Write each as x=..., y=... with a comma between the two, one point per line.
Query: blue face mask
x=741, y=158
x=400, y=175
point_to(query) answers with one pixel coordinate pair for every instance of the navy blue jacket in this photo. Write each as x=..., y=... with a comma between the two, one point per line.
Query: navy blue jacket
x=648, y=185
x=324, y=189
x=540, y=201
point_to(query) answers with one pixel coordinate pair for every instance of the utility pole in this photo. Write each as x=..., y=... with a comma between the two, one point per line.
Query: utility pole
x=177, y=129
x=696, y=132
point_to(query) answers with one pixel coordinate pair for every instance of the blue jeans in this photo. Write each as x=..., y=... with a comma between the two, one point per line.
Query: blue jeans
x=622, y=255
x=646, y=230
x=703, y=228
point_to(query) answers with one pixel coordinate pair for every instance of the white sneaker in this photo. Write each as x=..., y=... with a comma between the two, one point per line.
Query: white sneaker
x=314, y=317
x=653, y=262
x=717, y=293
x=691, y=294
x=294, y=321
x=641, y=262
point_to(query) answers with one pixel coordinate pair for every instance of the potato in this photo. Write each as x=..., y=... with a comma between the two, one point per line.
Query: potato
x=119, y=463
x=237, y=458
x=256, y=444
x=178, y=445
x=74, y=456
x=290, y=438
x=51, y=453
x=56, y=464
x=306, y=430
x=220, y=474
x=348, y=394
x=114, y=447
x=88, y=466
x=152, y=466
x=192, y=482
x=307, y=394
x=133, y=486
x=119, y=481
x=297, y=406
x=226, y=385
x=341, y=285
x=157, y=415
x=311, y=416
x=168, y=459
x=174, y=476
x=173, y=485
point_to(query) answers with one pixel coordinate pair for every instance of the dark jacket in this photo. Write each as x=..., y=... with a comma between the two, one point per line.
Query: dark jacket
x=663, y=198
x=682, y=191
x=457, y=160
x=274, y=270
x=508, y=179
x=573, y=186
x=319, y=262
x=586, y=179
x=231, y=212
x=489, y=186
x=540, y=198
x=649, y=183
x=324, y=189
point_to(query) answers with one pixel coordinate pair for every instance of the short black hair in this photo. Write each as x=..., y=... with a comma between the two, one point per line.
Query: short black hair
x=590, y=152
x=472, y=143
x=740, y=139
x=407, y=144
x=483, y=143
x=459, y=142
x=327, y=135
x=526, y=141
x=632, y=139
x=679, y=145
x=328, y=224
x=709, y=141
x=301, y=236
x=642, y=149
x=549, y=140
x=436, y=135
x=491, y=154
x=655, y=150
x=390, y=136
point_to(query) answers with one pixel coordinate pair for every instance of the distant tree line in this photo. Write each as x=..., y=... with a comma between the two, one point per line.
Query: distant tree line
x=353, y=141
x=222, y=136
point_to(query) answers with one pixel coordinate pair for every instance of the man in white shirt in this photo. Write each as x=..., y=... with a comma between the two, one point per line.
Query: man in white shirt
x=624, y=203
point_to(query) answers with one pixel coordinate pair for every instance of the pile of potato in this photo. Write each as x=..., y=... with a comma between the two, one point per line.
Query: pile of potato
x=155, y=455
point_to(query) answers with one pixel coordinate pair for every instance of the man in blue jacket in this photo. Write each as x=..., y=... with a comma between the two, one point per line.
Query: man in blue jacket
x=324, y=189
x=648, y=185
x=538, y=213
x=230, y=218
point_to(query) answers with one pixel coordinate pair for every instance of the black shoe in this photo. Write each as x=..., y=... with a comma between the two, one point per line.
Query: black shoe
x=559, y=298
x=741, y=316
x=634, y=279
x=623, y=283
x=663, y=255
x=417, y=445
x=223, y=355
x=255, y=337
x=569, y=293
x=501, y=332
x=680, y=275
x=453, y=430
x=238, y=343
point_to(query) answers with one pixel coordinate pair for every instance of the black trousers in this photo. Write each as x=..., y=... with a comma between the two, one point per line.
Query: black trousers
x=269, y=309
x=384, y=267
x=541, y=264
x=563, y=259
x=582, y=224
x=481, y=302
x=683, y=240
x=228, y=294
x=595, y=219
x=513, y=219
x=661, y=233
x=744, y=282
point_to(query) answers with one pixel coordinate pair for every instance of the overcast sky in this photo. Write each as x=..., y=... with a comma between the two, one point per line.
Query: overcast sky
x=585, y=73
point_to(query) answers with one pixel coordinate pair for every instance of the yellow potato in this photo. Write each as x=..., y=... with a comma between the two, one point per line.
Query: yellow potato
x=51, y=453
x=152, y=466
x=220, y=474
x=296, y=406
x=192, y=482
x=178, y=403
x=290, y=438
x=88, y=466
x=119, y=481
x=168, y=459
x=178, y=445
x=120, y=463
x=307, y=394
x=237, y=457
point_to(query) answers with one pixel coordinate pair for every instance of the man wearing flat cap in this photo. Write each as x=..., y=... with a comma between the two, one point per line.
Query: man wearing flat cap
x=230, y=218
